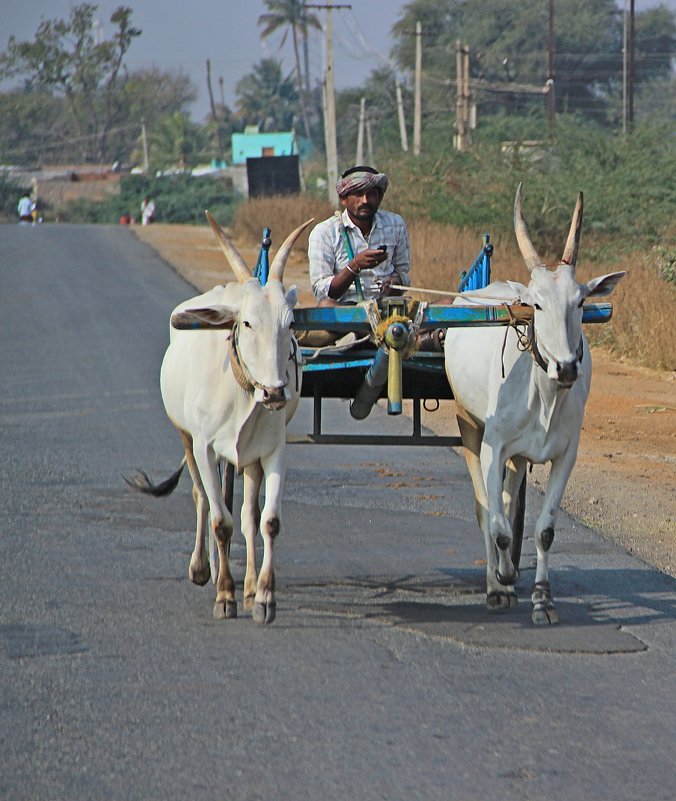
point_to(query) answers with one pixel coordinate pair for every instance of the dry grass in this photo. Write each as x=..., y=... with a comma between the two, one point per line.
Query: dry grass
x=281, y=215
x=642, y=329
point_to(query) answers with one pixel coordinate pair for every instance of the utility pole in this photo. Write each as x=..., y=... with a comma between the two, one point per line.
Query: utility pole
x=369, y=141
x=465, y=93
x=330, y=103
x=417, y=108
x=359, y=158
x=624, y=69
x=214, y=116
x=462, y=99
x=550, y=70
x=630, y=70
x=144, y=136
x=330, y=122
x=402, y=121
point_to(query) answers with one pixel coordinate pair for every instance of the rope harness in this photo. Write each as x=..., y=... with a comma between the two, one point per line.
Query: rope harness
x=527, y=341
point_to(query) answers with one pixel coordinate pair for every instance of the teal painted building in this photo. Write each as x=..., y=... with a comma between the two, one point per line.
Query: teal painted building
x=252, y=144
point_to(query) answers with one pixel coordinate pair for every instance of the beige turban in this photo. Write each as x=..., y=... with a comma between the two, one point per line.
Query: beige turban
x=361, y=182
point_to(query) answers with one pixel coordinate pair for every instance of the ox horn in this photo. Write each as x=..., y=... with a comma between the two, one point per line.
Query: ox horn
x=573, y=241
x=522, y=236
x=279, y=262
x=236, y=262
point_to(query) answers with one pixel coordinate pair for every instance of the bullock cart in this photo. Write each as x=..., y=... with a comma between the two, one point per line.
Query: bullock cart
x=379, y=355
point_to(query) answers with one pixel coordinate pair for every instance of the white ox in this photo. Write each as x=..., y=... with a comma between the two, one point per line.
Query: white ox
x=515, y=407
x=230, y=396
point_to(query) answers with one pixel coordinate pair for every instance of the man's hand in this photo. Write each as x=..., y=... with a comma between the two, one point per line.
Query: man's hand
x=386, y=286
x=368, y=259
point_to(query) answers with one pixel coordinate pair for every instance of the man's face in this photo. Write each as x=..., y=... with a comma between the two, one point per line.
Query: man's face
x=362, y=205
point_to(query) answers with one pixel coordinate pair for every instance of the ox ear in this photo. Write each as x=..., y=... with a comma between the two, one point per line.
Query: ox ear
x=207, y=317
x=604, y=284
x=520, y=291
x=292, y=296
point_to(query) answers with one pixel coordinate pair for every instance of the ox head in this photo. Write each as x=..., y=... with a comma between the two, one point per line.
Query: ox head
x=260, y=317
x=557, y=298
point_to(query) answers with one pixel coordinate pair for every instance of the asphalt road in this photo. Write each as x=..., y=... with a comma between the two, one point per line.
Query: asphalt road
x=383, y=676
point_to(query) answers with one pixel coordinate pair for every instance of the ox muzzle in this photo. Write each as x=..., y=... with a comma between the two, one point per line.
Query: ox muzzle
x=272, y=398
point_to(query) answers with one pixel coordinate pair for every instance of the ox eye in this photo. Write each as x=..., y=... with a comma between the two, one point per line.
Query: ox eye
x=580, y=304
x=247, y=324
x=537, y=306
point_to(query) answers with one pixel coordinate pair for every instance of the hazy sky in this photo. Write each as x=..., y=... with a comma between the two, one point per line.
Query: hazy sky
x=181, y=35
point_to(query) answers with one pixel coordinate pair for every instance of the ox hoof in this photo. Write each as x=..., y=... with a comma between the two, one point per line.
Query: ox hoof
x=249, y=601
x=201, y=576
x=544, y=613
x=225, y=610
x=264, y=613
x=501, y=601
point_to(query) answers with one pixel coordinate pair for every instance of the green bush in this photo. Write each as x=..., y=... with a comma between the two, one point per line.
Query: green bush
x=179, y=199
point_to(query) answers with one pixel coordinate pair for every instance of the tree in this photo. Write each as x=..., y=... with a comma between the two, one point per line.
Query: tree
x=508, y=43
x=35, y=127
x=151, y=95
x=266, y=97
x=655, y=44
x=65, y=58
x=176, y=142
x=294, y=14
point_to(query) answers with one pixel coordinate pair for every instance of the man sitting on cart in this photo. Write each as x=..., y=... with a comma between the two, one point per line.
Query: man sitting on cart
x=361, y=253
x=362, y=245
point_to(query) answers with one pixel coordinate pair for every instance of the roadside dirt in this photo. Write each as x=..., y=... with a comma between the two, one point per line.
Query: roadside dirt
x=624, y=482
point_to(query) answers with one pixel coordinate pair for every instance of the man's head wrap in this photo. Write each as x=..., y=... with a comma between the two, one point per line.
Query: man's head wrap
x=361, y=181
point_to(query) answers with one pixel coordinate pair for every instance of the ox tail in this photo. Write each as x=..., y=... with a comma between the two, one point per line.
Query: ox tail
x=141, y=482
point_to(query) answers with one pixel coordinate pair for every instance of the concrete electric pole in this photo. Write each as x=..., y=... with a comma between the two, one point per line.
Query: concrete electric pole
x=330, y=103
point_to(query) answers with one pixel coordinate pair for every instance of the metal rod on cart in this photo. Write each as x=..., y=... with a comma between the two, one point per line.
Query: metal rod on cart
x=396, y=337
x=374, y=380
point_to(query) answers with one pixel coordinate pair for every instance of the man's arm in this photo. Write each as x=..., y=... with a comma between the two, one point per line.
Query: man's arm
x=328, y=278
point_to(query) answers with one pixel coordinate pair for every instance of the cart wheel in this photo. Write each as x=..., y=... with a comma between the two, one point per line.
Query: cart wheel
x=517, y=524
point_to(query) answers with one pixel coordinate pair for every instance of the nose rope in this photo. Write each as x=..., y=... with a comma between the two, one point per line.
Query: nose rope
x=525, y=337
x=527, y=341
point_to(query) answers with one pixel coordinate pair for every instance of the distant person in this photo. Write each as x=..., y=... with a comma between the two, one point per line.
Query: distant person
x=36, y=214
x=147, y=211
x=25, y=209
x=125, y=219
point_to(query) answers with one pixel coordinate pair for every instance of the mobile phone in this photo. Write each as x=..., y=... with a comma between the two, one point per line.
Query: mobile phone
x=383, y=248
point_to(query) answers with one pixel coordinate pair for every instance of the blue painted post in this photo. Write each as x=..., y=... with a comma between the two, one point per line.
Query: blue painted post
x=262, y=268
x=479, y=274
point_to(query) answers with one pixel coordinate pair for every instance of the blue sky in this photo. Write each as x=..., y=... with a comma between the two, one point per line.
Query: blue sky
x=179, y=35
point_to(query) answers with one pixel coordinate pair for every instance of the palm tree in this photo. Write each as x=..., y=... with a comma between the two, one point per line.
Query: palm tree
x=266, y=96
x=294, y=15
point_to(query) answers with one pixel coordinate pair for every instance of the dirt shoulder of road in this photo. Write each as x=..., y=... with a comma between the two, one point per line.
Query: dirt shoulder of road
x=624, y=481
